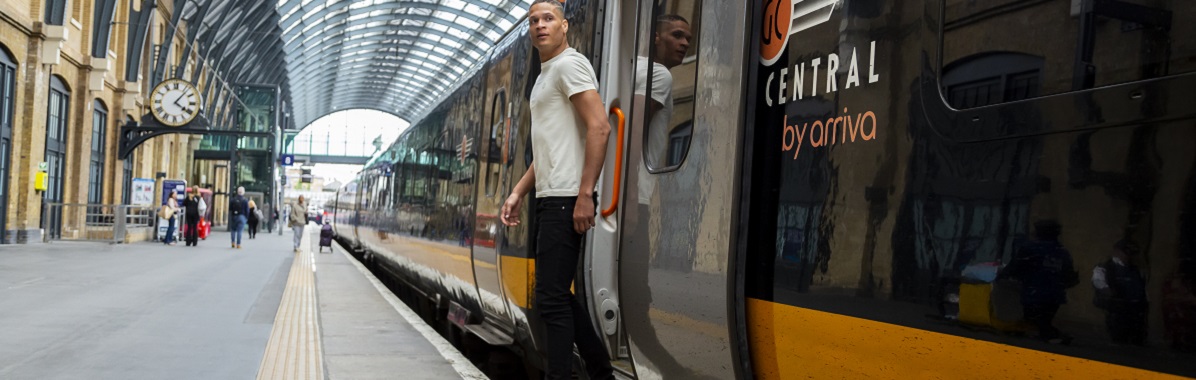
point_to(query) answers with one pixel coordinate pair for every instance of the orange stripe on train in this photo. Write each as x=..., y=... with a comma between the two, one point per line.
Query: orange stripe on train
x=789, y=342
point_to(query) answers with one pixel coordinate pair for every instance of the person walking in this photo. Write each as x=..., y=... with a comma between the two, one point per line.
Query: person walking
x=1121, y=292
x=253, y=218
x=569, y=135
x=168, y=212
x=192, y=217
x=298, y=219
x=238, y=208
x=270, y=217
x=1045, y=270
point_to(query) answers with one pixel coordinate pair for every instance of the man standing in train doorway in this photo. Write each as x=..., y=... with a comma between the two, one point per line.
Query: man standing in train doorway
x=569, y=134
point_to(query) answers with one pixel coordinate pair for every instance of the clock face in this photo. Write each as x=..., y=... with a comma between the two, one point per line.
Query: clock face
x=175, y=102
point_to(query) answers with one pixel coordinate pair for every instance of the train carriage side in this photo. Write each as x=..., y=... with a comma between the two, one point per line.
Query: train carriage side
x=944, y=187
x=418, y=210
x=344, y=211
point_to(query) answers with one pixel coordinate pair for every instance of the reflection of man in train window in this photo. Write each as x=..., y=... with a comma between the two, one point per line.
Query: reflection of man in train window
x=1121, y=291
x=1045, y=270
x=670, y=46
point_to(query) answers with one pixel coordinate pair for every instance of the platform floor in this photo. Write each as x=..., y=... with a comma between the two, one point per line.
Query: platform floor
x=72, y=310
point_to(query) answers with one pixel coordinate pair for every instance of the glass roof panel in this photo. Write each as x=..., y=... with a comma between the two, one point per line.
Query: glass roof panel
x=398, y=56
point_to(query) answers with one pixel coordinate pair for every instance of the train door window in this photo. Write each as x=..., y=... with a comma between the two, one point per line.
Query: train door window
x=496, y=154
x=1095, y=43
x=670, y=55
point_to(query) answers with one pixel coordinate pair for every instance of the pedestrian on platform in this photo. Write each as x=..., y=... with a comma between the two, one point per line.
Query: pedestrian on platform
x=569, y=134
x=1121, y=292
x=1045, y=270
x=253, y=218
x=168, y=212
x=297, y=220
x=238, y=208
x=192, y=217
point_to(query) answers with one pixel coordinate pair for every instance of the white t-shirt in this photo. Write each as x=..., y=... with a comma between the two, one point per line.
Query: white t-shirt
x=656, y=146
x=558, y=134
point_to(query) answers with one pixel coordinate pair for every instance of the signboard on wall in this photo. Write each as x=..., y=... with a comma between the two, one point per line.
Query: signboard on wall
x=178, y=186
x=143, y=192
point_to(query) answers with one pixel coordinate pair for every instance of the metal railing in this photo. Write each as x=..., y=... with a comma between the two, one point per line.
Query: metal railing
x=98, y=222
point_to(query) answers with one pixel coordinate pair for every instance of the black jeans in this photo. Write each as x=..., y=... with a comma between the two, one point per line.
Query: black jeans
x=558, y=251
x=191, y=236
x=1042, y=316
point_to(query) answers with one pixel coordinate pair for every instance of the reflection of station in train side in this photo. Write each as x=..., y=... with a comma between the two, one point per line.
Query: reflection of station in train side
x=971, y=204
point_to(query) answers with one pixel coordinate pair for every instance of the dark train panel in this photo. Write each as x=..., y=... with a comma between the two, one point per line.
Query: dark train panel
x=904, y=154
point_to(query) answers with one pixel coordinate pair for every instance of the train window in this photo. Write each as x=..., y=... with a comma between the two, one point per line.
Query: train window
x=1097, y=43
x=495, y=154
x=671, y=57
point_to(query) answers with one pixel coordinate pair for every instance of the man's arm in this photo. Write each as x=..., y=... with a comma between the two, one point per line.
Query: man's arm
x=510, y=208
x=589, y=107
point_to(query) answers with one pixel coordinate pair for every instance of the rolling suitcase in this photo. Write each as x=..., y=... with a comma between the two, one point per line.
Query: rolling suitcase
x=204, y=228
x=326, y=237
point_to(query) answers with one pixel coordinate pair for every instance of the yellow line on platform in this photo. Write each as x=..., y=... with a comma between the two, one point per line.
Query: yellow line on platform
x=293, y=351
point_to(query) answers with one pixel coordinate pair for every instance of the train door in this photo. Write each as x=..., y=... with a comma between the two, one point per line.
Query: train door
x=601, y=266
x=491, y=192
x=680, y=178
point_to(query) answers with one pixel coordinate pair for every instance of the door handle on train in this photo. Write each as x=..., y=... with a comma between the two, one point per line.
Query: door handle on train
x=618, y=183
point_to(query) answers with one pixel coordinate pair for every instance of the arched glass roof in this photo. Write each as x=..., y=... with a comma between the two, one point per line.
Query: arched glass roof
x=396, y=56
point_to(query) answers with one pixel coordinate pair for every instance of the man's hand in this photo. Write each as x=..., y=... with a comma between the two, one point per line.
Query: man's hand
x=583, y=214
x=510, y=210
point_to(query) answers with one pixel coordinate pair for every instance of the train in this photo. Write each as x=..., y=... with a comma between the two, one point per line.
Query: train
x=827, y=189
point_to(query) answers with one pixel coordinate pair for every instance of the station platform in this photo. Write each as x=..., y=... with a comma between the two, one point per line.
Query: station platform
x=150, y=311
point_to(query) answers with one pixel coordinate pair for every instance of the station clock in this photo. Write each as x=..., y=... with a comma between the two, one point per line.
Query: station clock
x=175, y=102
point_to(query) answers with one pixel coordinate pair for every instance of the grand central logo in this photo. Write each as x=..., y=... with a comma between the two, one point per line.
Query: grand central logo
x=783, y=18
x=814, y=76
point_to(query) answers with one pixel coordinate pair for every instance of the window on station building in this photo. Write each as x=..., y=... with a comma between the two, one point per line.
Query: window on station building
x=99, y=129
x=56, y=126
x=56, y=11
x=57, y=115
x=1093, y=44
x=671, y=58
x=8, y=78
x=992, y=78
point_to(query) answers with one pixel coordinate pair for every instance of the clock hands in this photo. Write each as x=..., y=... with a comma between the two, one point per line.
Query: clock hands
x=176, y=100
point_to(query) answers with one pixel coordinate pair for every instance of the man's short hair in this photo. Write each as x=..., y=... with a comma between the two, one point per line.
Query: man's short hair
x=670, y=18
x=556, y=4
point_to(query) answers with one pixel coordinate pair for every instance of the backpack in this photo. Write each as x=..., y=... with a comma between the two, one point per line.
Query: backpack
x=234, y=206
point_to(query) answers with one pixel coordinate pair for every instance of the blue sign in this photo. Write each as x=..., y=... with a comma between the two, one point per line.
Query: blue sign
x=178, y=186
x=287, y=159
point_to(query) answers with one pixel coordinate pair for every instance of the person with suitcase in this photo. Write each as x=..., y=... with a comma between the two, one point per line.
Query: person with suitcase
x=326, y=237
x=191, y=215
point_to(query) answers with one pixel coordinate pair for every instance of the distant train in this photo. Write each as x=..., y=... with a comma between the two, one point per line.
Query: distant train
x=829, y=189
